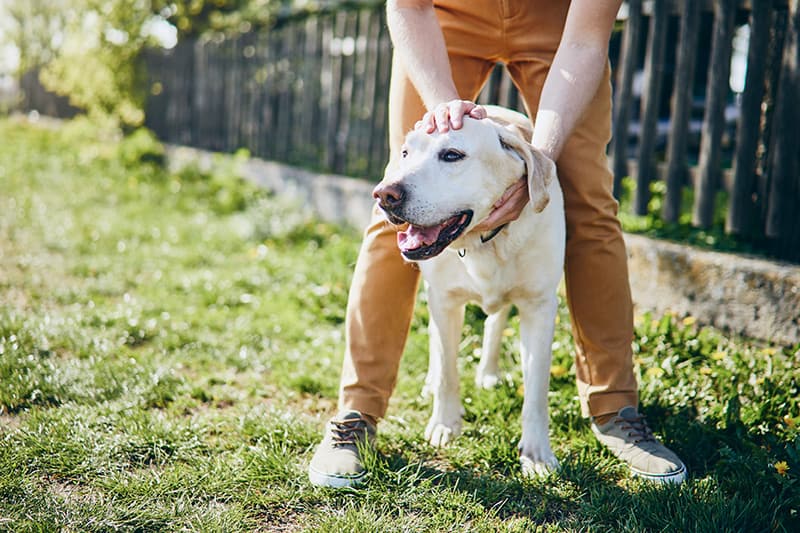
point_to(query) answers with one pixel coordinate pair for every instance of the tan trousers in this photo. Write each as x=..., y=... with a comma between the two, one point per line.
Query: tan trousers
x=524, y=35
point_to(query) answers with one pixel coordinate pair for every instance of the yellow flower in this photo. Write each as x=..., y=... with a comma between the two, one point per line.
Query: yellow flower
x=781, y=467
x=508, y=332
x=719, y=355
x=654, y=372
x=689, y=321
x=705, y=371
x=769, y=351
x=558, y=371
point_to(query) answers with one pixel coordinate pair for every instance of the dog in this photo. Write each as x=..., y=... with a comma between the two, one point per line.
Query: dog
x=441, y=186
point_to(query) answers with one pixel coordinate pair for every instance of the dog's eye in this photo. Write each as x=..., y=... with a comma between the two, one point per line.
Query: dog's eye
x=450, y=156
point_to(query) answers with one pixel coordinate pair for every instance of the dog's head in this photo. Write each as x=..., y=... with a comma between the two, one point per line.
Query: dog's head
x=444, y=184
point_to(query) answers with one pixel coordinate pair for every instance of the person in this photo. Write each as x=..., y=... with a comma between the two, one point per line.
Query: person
x=556, y=52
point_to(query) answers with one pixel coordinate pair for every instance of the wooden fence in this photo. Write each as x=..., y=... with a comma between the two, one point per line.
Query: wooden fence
x=313, y=92
x=310, y=92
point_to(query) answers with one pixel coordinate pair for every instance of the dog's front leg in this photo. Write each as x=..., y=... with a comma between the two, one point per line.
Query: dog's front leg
x=537, y=324
x=446, y=321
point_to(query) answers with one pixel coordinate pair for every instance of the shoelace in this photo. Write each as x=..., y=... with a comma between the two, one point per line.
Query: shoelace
x=637, y=428
x=348, y=432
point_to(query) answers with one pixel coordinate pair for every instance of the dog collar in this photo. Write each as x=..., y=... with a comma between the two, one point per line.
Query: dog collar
x=485, y=238
x=492, y=234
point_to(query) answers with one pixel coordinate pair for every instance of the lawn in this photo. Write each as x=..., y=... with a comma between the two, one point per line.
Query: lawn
x=170, y=347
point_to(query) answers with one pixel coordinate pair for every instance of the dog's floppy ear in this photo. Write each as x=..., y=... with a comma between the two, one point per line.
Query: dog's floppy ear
x=541, y=169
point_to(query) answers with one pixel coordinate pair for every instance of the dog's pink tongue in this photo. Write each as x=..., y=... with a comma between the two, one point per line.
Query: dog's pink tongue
x=415, y=237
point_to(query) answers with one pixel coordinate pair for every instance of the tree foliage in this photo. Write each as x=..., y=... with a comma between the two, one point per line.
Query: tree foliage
x=91, y=50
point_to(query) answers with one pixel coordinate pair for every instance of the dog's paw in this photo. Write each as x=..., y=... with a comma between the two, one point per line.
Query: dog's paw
x=486, y=381
x=440, y=434
x=537, y=459
x=538, y=468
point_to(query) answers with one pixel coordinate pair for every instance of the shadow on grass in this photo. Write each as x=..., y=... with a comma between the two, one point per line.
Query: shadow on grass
x=732, y=486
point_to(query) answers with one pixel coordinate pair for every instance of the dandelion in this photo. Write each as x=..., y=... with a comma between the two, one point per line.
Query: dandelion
x=558, y=371
x=705, y=371
x=719, y=355
x=769, y=351
x=689, y=321
x=508, y=332
x=655, y=372
x=781, y=467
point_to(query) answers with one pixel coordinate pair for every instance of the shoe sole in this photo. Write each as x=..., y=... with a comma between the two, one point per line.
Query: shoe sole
x=321, y=479
x=677, y=477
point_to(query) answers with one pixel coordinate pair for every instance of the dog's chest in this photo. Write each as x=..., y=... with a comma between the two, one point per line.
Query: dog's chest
x=471, y=278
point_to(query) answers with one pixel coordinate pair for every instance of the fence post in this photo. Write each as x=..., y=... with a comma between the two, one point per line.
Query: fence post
x=682, y=94
x=741, y=208
x=651, y=100
x=785, y=189
x=379, y=144
x=624, y=92
x=714, y=118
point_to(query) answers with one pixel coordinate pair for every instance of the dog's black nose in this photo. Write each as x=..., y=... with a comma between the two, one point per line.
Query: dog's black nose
x=389, y=196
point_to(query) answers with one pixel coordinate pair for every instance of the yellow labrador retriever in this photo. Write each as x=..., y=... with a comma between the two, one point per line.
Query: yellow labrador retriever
x=443, y=185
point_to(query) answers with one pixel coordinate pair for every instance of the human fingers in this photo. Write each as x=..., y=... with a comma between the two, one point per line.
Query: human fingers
x=478, y=112
x=520, y=185
x=441, y=116
x=450, y=114
x=507, y=208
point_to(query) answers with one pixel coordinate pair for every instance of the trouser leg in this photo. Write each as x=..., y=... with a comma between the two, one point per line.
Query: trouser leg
x=596, y=268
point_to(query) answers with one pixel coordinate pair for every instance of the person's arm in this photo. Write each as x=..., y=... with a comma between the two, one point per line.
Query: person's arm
x=419, y=45
x=575, y=73
x=570, y=85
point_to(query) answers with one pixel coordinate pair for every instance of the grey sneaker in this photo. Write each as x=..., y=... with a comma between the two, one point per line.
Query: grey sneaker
x=337, y=461
x=629, y=438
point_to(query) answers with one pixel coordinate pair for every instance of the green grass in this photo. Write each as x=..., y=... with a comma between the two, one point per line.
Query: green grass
x=170, y=347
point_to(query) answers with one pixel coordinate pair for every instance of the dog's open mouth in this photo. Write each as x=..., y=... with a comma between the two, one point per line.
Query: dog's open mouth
x=418, y=243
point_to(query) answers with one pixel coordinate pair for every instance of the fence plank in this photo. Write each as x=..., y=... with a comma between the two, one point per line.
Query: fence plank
x=741, y=208
x=785, y=189
x=682, y=95
x=346, y=91
x=312, y=77
x=379, y=144
x=624, y=93
x=714, y=119
x=651, y=99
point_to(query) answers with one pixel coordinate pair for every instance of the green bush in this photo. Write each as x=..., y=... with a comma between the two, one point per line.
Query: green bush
x=141, y=147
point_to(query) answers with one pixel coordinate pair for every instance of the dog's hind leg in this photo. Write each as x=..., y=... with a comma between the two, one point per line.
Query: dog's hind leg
x=446, y=321
x=537, y=324
x=486, y=374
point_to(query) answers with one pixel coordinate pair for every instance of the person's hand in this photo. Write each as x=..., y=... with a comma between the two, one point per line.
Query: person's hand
x=450, y=115
x=507, y=208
